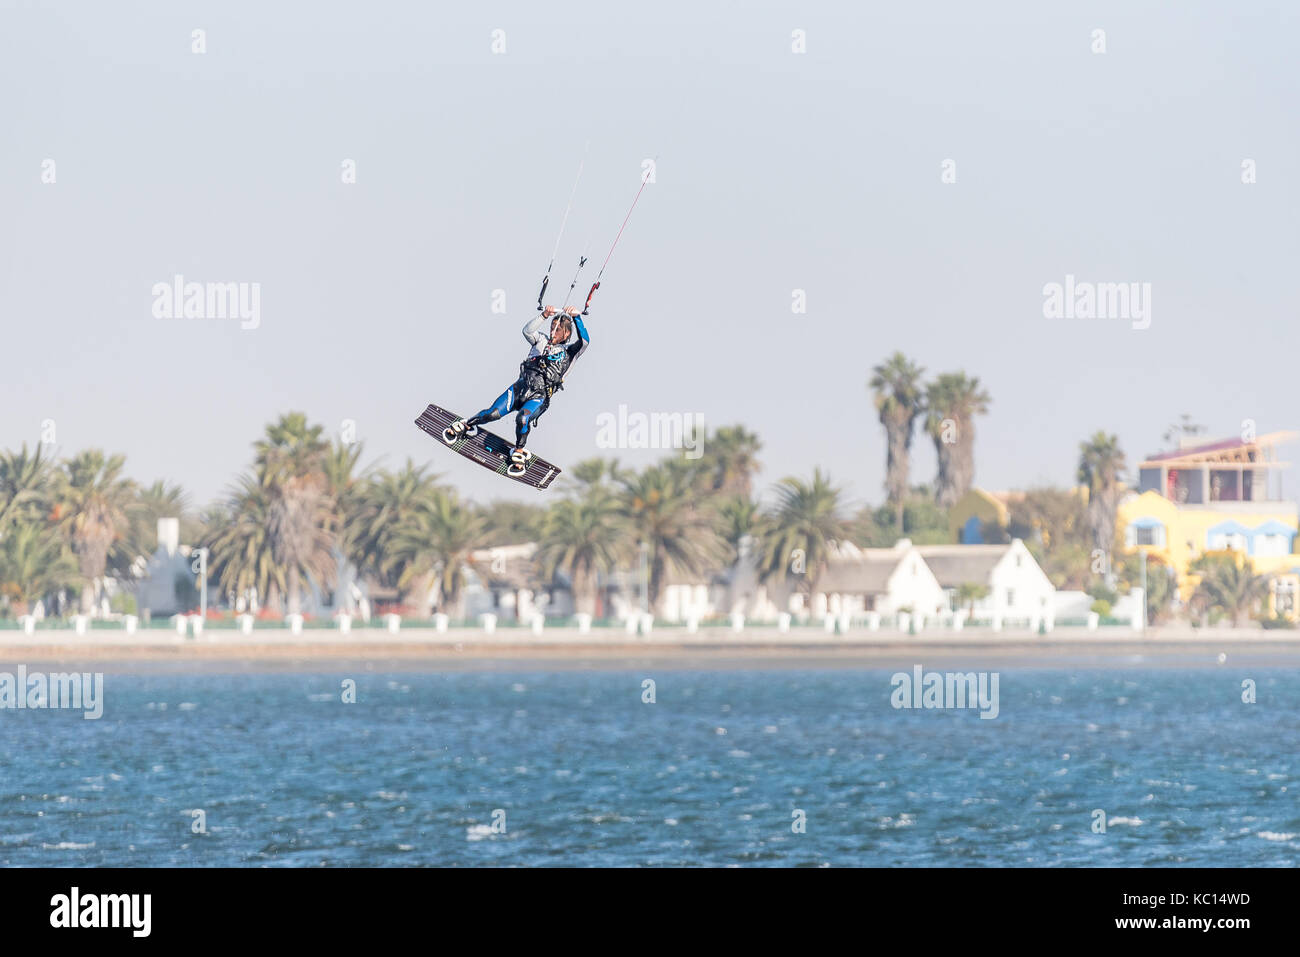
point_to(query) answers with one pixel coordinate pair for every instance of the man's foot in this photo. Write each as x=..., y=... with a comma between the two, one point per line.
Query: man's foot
x=519, y=459
x=460, y=429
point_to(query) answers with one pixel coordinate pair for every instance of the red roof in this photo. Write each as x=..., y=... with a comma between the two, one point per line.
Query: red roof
x=1221, y=446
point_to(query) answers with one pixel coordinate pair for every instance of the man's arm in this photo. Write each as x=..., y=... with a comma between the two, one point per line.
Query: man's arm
x=534, y=332
x=579, y=347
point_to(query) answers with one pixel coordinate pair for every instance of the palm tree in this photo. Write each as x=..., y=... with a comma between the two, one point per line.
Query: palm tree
x=388, y=503
x=436, y=541
x=952, y=401
x=93, y=505
x=239, y=540
x=159, y=500
x=596, y=471
x=511, y=523
x=899, y=401
x=662, y=513
x=1230, y=584
x=291, y=467
x=584, y=538
x=805, y=523
x=1101, y=463
x=34, y=560
x=25, y=486
x=346, y=488
x=968, y=593
x=738, y=518
x=732, y=457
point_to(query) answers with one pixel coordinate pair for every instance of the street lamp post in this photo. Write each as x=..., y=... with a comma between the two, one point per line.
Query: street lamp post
x=1144, y=594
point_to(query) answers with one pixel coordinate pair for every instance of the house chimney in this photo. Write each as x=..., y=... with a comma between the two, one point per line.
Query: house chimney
x=903, y=544
x=169, y=534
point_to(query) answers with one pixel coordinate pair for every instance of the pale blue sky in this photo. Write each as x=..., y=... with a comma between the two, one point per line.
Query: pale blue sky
x=776, y=171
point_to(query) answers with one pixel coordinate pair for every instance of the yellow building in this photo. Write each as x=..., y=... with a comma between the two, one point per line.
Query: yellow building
x=975, y=516
x=1214, y=497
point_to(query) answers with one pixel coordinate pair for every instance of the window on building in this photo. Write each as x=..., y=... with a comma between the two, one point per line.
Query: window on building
x=1011, y=597
x=1234, y=542
x=1149, y=534
x=1271, y=545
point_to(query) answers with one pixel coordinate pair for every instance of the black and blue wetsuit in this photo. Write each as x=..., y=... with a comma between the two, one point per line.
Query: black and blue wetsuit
x=541, y=375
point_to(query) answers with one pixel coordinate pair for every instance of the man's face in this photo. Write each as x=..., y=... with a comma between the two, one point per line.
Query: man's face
x=558, y=334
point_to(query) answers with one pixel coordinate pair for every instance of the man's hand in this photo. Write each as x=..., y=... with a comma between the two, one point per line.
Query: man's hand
x=572, y=311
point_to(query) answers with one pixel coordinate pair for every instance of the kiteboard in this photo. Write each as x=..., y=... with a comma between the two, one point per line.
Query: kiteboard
x=481, y=446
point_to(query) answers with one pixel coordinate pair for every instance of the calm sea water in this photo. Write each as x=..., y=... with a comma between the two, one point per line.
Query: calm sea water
x=712, y=773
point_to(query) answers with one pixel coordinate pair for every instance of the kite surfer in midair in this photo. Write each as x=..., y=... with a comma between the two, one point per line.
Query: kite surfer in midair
x=552, y=353
x=541, y=375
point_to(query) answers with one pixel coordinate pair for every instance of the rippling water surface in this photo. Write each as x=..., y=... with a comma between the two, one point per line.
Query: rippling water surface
x=575, y=769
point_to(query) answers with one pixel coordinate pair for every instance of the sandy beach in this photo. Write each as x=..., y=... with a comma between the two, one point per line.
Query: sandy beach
x=711, y=649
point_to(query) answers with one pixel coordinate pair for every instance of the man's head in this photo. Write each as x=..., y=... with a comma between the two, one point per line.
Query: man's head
x=561, y=330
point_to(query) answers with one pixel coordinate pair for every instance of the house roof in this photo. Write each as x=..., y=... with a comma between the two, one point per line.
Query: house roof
x=955, y=565
x=1225, y=451
x=861, y=571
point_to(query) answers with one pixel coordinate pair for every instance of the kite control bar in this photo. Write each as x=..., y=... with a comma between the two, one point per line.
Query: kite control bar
x=582, y=260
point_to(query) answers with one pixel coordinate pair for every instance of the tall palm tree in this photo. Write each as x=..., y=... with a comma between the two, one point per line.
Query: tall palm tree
x=291, y=467
x=732, y=456
x=899, y=400
x=583, y=537
x=1101, y=464
x=34, y=560
x=239, y=540
x=436, y=542
x=93, y=505
x=806, y=522
x=662, y=514
x=952, y=401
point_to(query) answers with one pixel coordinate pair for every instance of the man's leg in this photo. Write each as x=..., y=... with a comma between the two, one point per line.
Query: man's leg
x=493, y=412
x=529, y=413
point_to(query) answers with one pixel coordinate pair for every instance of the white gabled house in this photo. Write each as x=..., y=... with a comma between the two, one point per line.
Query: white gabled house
x=1018, y=589
x=882, y=580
